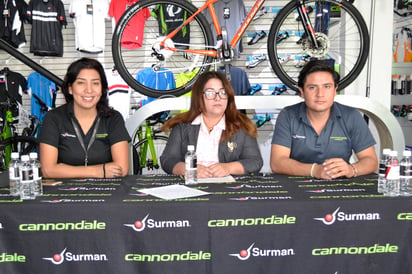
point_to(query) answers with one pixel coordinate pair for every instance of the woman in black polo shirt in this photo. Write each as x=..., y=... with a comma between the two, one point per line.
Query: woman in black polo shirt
x=84, y=137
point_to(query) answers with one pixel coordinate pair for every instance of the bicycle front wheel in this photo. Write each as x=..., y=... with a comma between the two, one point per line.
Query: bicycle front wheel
x=161, y=64
x=144, y=161
x=341, y=33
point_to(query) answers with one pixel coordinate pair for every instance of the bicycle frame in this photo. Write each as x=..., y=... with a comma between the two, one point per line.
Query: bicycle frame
x=5, y=134
x=147, y=145
x=309, y=30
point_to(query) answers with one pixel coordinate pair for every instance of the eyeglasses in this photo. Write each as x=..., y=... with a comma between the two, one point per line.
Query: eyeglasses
x=210, y=94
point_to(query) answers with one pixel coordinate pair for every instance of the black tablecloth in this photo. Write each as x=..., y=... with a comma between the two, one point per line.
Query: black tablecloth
x=260, y=224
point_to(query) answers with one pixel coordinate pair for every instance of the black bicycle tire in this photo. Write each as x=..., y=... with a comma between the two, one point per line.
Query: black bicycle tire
x=117, y=52
x=346, y=79
x=137, y=169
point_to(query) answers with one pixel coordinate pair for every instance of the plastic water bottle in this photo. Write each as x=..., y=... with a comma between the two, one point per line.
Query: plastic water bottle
x=26, y=179
x=35, y=163
x=405, y=179
x=392, y=175
x=14, y=174
x=190, y=166
x=382, y=170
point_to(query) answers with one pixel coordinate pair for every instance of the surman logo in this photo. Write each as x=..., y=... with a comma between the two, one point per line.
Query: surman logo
x=243, y=254
x=347, y=217
x=88, y=188
x=68, y=135
x=151, y=223
x=63, y=256
x=253, y=186
x=58, y=201
x=327, y=190
x=138, y=225
x=298, y=137
x=329, y=218
x=57, y=258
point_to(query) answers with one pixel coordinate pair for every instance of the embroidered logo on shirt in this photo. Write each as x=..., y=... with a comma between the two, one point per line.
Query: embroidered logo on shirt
x=339, y=138
x=298, y=137
x=101, y=135
x=68, y=135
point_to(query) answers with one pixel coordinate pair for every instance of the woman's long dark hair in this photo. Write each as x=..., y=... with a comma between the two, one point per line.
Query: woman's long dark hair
x=73, y=71
x=234, y=119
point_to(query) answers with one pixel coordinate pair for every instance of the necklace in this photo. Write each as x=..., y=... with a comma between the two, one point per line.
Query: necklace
x=210, y=128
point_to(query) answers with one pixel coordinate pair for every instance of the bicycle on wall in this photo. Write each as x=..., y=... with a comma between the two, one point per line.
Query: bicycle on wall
x=323, y=29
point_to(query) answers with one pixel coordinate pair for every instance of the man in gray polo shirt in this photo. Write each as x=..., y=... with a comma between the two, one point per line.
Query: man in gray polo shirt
x=317, y=137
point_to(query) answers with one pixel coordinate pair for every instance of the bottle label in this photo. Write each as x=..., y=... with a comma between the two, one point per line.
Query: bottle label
x=27, y=175
x=191, y=163
x=392, y=172
x=36, y=174
x=405, y=171
x=14, y=173
x=382, y=168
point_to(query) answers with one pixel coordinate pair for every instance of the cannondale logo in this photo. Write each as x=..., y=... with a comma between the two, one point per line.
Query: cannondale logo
x=329, y=218
x=138, y=225
x=57, y=258
x=244, y=254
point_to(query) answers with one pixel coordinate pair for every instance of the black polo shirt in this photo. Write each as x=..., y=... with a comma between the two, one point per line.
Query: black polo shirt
x=57, y=130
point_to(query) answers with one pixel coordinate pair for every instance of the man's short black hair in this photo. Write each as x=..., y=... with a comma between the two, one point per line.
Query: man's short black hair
x=315, y=66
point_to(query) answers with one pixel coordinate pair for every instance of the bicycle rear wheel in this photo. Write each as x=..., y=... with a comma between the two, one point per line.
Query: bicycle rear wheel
x=340, y=31
x=155, y=69
x=146, y=166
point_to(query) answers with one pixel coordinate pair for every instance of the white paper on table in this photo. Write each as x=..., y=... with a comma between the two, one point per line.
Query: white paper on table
x=174, y=192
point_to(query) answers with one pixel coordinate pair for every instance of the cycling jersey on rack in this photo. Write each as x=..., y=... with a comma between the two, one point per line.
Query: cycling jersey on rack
x=47, y=19
x=89, y=21
x=133, y=34
x=169, y=18
x=44, y=89
x=11, y=26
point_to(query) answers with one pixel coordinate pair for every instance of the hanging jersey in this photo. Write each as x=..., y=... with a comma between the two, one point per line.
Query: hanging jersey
x=133, y=34
x=11, y=23
x=44, y=89
x=12, y=85
x=230, y=14
x=161, y=79
x=89, y=22
x=119, y=93
x=239, y=80
x=47, y=19
x=169, y=18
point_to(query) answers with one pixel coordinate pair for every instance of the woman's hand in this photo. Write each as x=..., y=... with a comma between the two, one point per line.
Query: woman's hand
x=113, y=170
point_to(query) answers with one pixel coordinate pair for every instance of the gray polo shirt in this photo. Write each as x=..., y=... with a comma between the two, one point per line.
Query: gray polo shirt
x=345, y=132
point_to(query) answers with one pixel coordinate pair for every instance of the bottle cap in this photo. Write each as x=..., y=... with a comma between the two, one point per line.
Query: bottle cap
x=407, y=153
x=25, y=157
x=191, y=147
x=386, y=151
x=33, y=155
x=393, y=153
x=15, y=155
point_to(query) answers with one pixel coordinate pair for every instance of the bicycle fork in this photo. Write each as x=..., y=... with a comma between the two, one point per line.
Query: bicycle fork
x=309, y=30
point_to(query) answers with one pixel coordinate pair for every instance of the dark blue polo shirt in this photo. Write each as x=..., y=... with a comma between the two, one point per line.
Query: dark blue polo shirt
x=345, y=132
x=57, y=130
